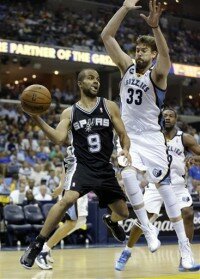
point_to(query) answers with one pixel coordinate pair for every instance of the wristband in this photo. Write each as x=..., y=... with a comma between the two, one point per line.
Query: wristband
x=154, y=27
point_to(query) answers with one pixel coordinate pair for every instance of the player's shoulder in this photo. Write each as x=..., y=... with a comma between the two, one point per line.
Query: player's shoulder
x=66, y=112
x=110, y=105
x=188, y=139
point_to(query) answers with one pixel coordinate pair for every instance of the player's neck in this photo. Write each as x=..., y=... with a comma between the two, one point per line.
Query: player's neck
x=170, y=133
x=142, y=71
x=87, y=103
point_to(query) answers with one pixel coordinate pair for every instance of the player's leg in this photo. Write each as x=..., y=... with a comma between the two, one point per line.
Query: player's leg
x=153, y=203
x=135, y=196
x=188, y=219
x=174, y=213
x=76, y=218
x=54, y=216
x=119, y=212
x=62, y=231
x=132, y=183
x=185, y=201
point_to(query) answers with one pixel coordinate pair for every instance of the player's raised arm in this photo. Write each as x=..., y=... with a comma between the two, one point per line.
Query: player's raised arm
x=119, y=57
x=59, y=134
x=163, y=63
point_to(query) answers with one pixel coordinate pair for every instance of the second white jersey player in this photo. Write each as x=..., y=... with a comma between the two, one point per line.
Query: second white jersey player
x=152, y=199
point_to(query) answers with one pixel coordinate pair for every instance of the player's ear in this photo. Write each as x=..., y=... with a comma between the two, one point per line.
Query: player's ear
x=154, y=54
x=79, y=84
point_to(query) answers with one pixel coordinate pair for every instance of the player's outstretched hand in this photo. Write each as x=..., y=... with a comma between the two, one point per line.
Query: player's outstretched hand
x=155, y=12
x=131, y=4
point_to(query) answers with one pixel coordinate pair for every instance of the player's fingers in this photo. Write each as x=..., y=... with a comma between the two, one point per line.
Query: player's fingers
x=154, y=5
x=144, y=17
x=150, y=6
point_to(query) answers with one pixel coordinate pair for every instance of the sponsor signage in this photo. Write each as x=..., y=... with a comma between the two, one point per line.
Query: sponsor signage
x=67, y=54
x=62, y=54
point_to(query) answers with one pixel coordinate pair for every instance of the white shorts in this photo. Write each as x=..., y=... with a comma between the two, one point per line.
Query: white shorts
x=153, y=201
x=149, y=153
x=80, y=209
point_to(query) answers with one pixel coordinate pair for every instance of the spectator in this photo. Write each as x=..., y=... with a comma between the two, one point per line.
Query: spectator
x=43, y=196
x=25, y=170
x=38, y=174
x=3, y=187
x=18, y=196
x=194, y=173
x=52, y=181
x=30, y=199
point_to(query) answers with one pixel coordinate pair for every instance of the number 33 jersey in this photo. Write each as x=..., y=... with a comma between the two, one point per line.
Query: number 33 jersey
x=92, y=135
x=141, y=102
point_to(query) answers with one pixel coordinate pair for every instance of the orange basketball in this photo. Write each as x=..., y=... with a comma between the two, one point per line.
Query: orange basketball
x=35, y=99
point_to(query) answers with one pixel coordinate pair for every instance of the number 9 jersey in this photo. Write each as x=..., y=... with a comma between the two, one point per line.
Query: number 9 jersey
x=141, y=102
x=92, y=135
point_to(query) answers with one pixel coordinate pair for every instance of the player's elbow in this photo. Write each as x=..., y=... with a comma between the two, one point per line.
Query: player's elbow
x=59, y=140
x=104, y=35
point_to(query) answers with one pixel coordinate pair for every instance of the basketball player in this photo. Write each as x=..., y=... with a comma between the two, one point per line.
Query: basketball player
x=91, y=121
x=178, y=143
x=142, y=93
x=76, y=217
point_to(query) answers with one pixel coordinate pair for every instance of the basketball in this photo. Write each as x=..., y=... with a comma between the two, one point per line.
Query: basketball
x=35, y=99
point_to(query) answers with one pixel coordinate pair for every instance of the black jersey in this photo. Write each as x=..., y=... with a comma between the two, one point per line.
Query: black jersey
x=92, y=135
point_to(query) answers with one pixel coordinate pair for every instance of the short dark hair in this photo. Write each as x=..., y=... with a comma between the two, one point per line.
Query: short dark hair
x=148, y=41
x=82, y=73
x=172, y=109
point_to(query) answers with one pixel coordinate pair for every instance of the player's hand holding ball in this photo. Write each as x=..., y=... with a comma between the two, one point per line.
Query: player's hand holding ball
x=35, y=99
x=124, y=158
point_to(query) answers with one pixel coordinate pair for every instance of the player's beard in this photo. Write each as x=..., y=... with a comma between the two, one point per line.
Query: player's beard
x=168, y=128
x=88, y=93
x=141, y=65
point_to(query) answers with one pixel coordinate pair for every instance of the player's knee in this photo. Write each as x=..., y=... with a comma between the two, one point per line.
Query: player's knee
x=65, y=203
x=128, y=171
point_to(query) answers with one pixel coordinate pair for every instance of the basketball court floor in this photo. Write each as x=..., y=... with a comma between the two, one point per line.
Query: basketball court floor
x=98, y=263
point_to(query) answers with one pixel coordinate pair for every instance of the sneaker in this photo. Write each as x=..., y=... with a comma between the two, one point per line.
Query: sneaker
x=187, y=260
x=196, y=267
x=151, y=235
x=49, y=257
x=117, y=230
x=28, y=259
x=42, y=262
x=123, y=259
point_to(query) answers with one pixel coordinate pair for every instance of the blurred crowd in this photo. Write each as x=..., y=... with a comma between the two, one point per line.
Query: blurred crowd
x=188, y=107
x=36, y=23
x=28, y=160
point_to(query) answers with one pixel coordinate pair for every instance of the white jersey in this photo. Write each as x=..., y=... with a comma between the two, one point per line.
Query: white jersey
x=177, y=151
x=141, y=102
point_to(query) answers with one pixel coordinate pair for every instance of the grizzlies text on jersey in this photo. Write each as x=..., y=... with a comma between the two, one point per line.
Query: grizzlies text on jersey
x=141, y=102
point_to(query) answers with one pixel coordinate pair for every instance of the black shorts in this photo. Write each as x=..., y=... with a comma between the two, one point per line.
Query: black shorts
x=103, y=183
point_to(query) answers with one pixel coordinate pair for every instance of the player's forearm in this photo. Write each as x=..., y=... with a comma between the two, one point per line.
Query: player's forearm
x=161, y=43
x=124, y=142
x=51, y=133
x=115, y=22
